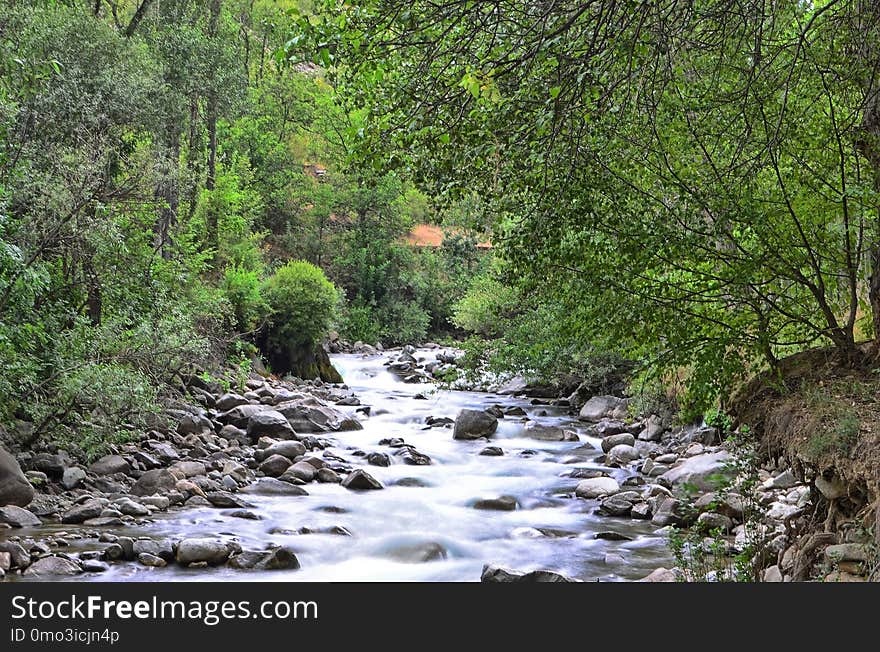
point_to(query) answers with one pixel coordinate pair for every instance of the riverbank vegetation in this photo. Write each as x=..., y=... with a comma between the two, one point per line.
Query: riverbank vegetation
x=160, y=165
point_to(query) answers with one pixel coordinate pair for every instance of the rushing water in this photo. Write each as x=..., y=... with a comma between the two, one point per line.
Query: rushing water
x=392, y=528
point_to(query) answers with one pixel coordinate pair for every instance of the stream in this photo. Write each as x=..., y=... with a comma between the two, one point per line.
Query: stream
x=422, y=525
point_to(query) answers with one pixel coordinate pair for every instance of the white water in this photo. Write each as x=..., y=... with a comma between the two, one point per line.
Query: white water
x=385, y=522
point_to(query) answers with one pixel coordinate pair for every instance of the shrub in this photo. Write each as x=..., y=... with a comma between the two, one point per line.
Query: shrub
x=482, y=308
x=302, y=303
x=360, y=323
x=242, y=290
x=405, y=323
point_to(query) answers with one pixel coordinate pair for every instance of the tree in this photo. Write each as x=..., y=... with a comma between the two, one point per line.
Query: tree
x=686, y=178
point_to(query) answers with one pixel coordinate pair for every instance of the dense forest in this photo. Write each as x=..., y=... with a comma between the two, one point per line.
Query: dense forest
x=677, y=202
x=175, y=194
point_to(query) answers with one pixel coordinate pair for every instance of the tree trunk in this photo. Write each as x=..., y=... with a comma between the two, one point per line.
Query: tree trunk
x=211, y=180
x=167, y=193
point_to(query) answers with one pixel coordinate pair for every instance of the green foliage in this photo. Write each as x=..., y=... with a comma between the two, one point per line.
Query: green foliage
x=838, y=439
x=243, y=290
x=359, y=323
x=483, y=310
x=302, y=303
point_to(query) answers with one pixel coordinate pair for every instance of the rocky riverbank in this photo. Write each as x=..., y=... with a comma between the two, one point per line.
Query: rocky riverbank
x=267, y=439
x=222, y=452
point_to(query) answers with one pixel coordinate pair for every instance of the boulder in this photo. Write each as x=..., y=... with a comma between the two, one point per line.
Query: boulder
x=110, y=464
x=328, y=475
x=603, y=407
x=361, y=480
x=660, y=575
x=80, y=513
x=705, y=472
x=842, y=552
x=595, y=487
x=300, y=471
x=19, y=556
x=534, y=430
x=72, y=477
x=473, y=424
x=48, y=566
x=16, y=516
x=194, y=551
x=194, y=424
x=291, y=449
x=51, y=465
x=153, y=482
x=189, y=468
x=653, y=429
x=274, y=487
x=616, y=440
x=269, y=423
x=278, y=559
x=497, y=574
x=503, y=504
x=224, y=499
x=379, y=459
x=831, y=488
x=615, y=506
x=622, y=454
x=230, y=400
x=14, y=487
x=240, y=416
x=275, y=465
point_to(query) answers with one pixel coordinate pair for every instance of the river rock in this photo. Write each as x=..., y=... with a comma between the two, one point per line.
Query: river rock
x=48, y=566
x=278, y=559
x=291, y=449
x=622, y=439
x=379, y=459
x=702, y=471
x=660, y=575
x=232, y=433
x=240, y=416
x=615, y=506
x=189, y=468
x=669, y=511
x=50, y=464
x=785, y=480
x=19, y=556
x=503, y=503
x=493, y=573
x=269, y=423
x=361, y=480
x=595, y=487
x=492, y=451
x=72, y=477
x=275, y=465
x=473, y=424
x=151, y=560
x=534, y=430
x=224, y=499
x=131, y=508
x=710, y=521
x=653, y=429
x=622, y=454
x=300, y=471
x=153, y=482
x=274, y=487
x=14, y=487
x=328, y=475
x=230, y=400
x=80, y=513
x=830, y=488
x=210, y=551
x=110, y=464
x=16, y=516
x=603, y=407
x=194, y=424
x=411, y=456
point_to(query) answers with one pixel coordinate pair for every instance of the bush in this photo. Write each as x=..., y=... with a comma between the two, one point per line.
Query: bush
x=405, y=323
x=360, y=323
x=242, y=290
x=302, y=303
x=482, y=309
